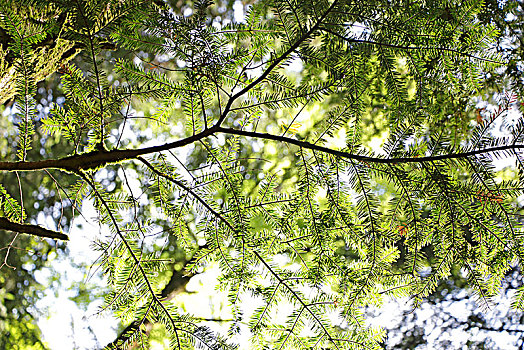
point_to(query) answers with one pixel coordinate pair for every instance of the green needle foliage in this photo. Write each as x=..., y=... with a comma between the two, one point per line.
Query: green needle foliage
x=253, y=152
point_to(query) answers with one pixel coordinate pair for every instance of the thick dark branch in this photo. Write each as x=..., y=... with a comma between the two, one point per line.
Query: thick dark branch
x=93, y=160
x=28, y=229
x=347, y=155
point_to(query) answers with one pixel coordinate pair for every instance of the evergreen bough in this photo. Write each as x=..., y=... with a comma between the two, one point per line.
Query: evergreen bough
x=338, y=228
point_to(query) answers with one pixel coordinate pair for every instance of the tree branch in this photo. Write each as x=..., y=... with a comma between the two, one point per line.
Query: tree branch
x=402, y=47
x=362, y=158
x=176, y=285
x=93, y=160
x=188, y=190
x=28, y=229
x=124, y=336
x=275, y=63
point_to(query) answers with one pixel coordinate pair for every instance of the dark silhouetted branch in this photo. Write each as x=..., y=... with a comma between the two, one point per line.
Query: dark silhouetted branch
x=362, y=158
x=28, y=229
x=93, y=160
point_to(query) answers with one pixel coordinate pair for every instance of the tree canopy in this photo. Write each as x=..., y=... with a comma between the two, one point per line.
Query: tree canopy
x=323, y=155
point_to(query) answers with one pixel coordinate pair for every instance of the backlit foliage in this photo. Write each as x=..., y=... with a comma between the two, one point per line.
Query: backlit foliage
x=250, y=153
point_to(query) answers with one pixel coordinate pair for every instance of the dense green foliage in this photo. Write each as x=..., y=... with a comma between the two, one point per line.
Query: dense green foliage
x=203, y=141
